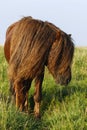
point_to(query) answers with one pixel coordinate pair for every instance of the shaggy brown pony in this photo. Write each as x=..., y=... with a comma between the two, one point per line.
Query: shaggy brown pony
x=30, y=46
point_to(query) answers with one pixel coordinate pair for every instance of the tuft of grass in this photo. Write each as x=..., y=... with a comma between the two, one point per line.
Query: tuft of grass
x=62, y=108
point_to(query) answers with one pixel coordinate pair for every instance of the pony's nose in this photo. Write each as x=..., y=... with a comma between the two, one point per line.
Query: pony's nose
x=67, y=81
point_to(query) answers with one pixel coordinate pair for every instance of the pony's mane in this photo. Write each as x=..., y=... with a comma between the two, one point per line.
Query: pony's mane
x=61, y=54
x=35, y=44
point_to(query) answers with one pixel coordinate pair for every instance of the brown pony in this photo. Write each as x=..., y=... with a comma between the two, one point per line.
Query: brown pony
x=30, y=46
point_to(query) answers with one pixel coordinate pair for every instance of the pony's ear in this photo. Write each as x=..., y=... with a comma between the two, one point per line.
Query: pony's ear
x=70, y=35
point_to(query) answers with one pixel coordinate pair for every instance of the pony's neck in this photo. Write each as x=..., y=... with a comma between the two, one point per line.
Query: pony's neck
x=55, y=56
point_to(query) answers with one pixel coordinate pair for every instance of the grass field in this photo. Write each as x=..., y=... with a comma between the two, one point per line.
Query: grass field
x=62, y=108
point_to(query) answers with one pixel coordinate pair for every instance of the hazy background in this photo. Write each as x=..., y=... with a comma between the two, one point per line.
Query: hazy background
x=69, y=15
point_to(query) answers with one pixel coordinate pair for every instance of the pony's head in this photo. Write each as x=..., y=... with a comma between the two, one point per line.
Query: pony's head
x=60, y=58
x=63, y=78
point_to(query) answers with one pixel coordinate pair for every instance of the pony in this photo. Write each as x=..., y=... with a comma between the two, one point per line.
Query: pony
x=30, y=46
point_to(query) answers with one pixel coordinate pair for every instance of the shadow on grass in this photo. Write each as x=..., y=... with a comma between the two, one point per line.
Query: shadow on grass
x=56, y=93
x=59, y=93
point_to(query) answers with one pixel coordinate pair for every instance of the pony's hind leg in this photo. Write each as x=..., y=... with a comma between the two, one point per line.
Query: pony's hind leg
x=38, y=94
x=20, y=97
x=21, y=91
x=26, y=86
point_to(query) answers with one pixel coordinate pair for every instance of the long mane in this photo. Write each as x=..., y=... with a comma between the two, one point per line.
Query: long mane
x=61, y=52
x=34, y=44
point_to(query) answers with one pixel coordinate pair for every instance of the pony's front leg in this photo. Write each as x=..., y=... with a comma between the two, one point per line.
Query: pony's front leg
x=12, y=92
x=38, y=95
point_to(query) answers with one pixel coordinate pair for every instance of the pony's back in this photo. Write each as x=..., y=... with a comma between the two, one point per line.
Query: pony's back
x=30, y=44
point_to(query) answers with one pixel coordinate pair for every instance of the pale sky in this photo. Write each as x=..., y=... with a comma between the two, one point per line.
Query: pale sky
x=68, y=15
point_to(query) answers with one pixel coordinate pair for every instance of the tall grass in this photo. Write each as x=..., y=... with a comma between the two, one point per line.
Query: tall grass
x=62, y=108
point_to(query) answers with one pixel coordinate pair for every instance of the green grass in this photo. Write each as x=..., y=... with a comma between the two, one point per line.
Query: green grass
x=62, y=108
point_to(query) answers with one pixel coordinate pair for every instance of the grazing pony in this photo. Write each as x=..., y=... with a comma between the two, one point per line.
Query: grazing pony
x=31, y=45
